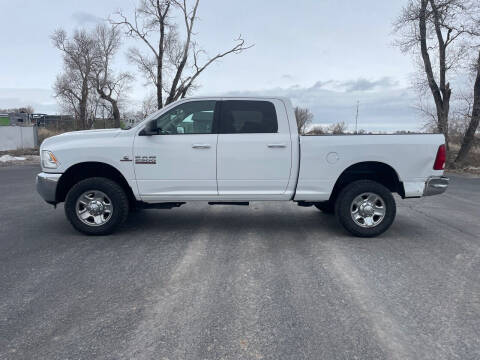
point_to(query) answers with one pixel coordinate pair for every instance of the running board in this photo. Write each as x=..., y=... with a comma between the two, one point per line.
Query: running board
x=244, y=203
x=304, y=203
x=165, y=205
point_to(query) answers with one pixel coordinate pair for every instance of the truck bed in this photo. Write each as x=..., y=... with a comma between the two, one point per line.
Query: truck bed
x=324, y=158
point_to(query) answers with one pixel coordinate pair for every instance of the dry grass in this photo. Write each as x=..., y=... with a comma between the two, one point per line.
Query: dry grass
x=471, y=163
x=44, y=133
x=20, y=152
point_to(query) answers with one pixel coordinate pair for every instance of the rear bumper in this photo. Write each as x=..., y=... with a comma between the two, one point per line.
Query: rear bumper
x=435, y=185
x=47, y=186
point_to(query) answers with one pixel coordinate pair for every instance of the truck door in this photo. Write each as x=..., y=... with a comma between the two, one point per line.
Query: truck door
x=254, y=149
x=179, y=160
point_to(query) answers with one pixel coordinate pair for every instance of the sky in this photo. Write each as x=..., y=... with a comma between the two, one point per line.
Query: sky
x=324, y=54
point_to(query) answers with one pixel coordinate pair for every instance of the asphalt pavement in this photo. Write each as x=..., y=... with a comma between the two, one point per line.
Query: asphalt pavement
x=268, y=281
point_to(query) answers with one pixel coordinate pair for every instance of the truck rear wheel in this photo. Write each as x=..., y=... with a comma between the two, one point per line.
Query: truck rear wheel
x=365, y=208
x=96, y=206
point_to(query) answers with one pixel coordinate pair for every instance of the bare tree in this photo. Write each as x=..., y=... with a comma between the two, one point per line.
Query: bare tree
x=437, y=29
x=68, y=93
x=469, y=136
x=338, y=128
x=149, y=105
x=170, y=63
x=333, y=129
x=109, y=85
x=317, y=130
x=448, y=31
x=94, y=105
x=72, y=87
x=304, y=118
x=28, y=109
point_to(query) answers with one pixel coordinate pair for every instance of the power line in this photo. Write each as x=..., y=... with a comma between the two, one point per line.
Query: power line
x=356, y=118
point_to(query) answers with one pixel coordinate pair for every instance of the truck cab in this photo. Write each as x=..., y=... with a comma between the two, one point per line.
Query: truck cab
x=217, y=149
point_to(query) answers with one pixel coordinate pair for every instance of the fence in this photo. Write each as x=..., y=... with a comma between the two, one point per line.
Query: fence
x=18, y=137
x=61, y=123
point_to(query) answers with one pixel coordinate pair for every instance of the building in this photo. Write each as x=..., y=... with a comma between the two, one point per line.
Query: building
x=15, y=118
x=4, y=119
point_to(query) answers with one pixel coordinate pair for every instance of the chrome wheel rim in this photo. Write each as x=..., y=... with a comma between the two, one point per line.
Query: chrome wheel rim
x=94, y=208
x=368, y=210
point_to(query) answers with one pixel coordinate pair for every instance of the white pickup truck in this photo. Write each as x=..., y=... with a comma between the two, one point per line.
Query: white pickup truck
x=231, y=151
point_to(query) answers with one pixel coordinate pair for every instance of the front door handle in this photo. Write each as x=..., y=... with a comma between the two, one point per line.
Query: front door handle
x=201, y=146
x=277, y=145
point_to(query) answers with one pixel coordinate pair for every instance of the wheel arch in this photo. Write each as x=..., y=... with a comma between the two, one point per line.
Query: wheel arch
x=85, y=170
x=369, y=170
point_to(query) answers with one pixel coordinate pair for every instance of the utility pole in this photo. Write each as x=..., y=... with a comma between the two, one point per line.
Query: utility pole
x=356, y=118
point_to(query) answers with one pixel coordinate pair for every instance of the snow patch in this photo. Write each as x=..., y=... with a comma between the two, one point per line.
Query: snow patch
x=7, y=158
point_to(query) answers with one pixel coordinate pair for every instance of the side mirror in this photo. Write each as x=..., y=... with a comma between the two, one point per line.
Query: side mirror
x=150, y=129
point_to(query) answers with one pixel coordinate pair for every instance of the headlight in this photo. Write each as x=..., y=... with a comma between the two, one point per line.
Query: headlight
x=49, y=160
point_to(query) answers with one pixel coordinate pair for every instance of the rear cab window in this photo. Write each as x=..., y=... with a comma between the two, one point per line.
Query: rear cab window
x=248, y=117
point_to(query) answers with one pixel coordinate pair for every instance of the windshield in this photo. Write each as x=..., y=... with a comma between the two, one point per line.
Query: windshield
x=149, y=117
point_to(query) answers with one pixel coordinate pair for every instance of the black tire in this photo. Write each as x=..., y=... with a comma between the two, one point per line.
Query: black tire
x=117, y=196
x=326, y=207
x=343, y=207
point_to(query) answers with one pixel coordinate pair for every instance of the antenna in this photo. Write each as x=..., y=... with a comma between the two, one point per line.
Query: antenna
x=356, y=118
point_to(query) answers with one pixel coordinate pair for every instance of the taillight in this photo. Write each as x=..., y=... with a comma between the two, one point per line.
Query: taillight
x=441, y=158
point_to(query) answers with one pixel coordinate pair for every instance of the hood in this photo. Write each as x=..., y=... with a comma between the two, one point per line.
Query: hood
x=89, y=133
x=80, y=135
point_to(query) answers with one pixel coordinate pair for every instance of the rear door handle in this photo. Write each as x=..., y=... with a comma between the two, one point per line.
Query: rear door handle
x=277, y=145
x=201, y=146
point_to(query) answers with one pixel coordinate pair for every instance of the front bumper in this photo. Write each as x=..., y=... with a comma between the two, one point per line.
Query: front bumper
x=47, y=186
x=435, y=185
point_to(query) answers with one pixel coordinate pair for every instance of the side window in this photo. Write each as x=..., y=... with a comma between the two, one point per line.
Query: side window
x=193, y=117
x=247, y=117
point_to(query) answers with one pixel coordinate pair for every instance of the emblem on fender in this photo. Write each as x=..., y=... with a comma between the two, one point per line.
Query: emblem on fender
x=148, y=160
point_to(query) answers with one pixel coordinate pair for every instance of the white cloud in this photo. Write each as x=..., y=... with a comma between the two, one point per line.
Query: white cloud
x=383, y=106
x=82, y=18
x=362, y=84
x=41, y=100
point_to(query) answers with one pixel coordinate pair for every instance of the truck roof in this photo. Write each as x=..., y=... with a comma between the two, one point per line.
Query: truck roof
x=256, y=97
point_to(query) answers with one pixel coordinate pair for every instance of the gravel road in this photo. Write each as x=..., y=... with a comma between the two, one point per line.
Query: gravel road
x=268, y=281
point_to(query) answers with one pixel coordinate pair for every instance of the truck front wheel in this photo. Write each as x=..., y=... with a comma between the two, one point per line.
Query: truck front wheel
x=365, y=208
x=96, y=206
